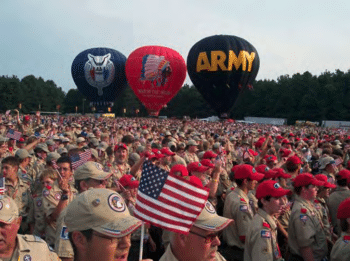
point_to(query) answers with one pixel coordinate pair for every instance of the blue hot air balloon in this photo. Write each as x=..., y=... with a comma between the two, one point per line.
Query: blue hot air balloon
x=99, y=74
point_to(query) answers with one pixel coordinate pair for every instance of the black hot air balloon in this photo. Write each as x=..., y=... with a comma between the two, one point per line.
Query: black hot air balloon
x=99, y=74
x=220, y=67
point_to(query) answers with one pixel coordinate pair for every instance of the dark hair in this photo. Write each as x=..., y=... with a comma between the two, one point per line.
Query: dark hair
x=11, y=160
x=260, y=204
x=297, y=190
x=327, y=151
x=65, y=159
x=109, y=151
x=165, y=141
x=291, y=167
x=86, y=233
x=344, y=225
x=341, y=182
x=127, y=139
x=239, y=182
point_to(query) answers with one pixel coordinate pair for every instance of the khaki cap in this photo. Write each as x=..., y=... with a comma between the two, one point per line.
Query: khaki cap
x=216, y=145
x=102, y=146
x=42, y=146
x=80, y=139
x=52, y=156
x=210, y=221
x=94, y=153
x=91, y=135
x=8, y=210
x=91, y=170
x=134, y=157
x=62, y=150
x=167, y=133
x=192, y=143
x=102, y=210
x=3, y=139
x=22, y=154
x=94, y=141
x=50, y=143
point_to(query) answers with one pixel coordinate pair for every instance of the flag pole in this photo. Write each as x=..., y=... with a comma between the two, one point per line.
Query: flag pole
x=141, y=241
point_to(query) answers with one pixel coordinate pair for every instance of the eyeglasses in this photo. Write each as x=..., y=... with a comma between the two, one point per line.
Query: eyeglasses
x=209, y=238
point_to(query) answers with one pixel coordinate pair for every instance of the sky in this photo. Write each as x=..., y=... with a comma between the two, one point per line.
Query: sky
x=42, y=38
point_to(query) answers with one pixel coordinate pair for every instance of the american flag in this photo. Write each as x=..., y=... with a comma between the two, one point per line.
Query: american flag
x=168, y=201
x=2, y=186
x=13, y=134
x=54, y=164
x=80, y=159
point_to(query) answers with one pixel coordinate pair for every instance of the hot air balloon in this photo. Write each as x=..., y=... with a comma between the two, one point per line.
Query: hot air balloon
x=220, y=67
x=99, y=74
x=155, y=74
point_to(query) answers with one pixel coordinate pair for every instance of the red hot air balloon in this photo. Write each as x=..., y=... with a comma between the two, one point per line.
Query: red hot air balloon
x=156, y=74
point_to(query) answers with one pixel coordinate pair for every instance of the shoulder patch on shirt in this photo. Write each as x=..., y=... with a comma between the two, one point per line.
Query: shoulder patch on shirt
x=265, y=234
x=46, y=193
x=304, y=218
x=243, y=208
x=303, y=210
x=265, y=224
x=39, y=203
x=64, y=233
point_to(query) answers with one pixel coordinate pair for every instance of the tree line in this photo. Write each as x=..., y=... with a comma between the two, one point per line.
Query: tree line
x=297, y=97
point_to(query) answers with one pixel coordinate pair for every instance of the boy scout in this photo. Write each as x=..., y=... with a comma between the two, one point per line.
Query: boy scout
x=261, y=241
x=307, y=239
x=237, y=208
x=88, y=175
x=19, y=191
x=99, y=226
x=341, y=248
x=16, y=247
x=201, y=244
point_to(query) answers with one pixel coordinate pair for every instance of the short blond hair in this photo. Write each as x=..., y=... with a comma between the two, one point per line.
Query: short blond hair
x=49, y=173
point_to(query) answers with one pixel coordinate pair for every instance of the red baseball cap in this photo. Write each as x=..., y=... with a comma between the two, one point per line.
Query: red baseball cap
x=294, y=159
x=268, y=173
x=279, y=137
x=291, y=134
x=270, y=158
x=158, y=154
x=279, y=173
x=26, y=118
x=253, y=153
x=128, y=181
x=305, y=179
x=285, y=141
x=258, y=144
x=245, y=171
x=179, y=168
x=285, y=152
x=323, y=178
x=207, y=163
x=344, y=209
x=21, y=140
x=209, y=154
x=149, y=155
x=167, y=152
x=120, y=146
x=197, y=167
x=344, y=174
x=271, y=188
x=195, y=181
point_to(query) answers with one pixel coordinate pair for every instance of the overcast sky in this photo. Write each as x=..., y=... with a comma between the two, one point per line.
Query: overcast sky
x=43, y=37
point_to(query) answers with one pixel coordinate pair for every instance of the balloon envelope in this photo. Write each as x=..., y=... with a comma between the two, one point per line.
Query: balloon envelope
x=156, y=74
x=99, y=74
x=220, y=67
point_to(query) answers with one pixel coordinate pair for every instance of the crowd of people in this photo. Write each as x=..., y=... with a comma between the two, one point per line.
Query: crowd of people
x=275, y=193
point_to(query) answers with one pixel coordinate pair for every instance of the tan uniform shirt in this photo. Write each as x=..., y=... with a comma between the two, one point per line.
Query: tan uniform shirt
x=237, y=208
x=51, y=198
x=22, y=196
x=169, y=256
x=341, y=249
x=261, y=241
x=63, y=247
x=322, y=211
x=253, y=201
x=338, y=195
x=306, y=230
x=32, y=248
x=190, y=157
x=118, y=170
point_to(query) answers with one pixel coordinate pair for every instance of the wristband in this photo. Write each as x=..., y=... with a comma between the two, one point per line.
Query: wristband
x=64, y=197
